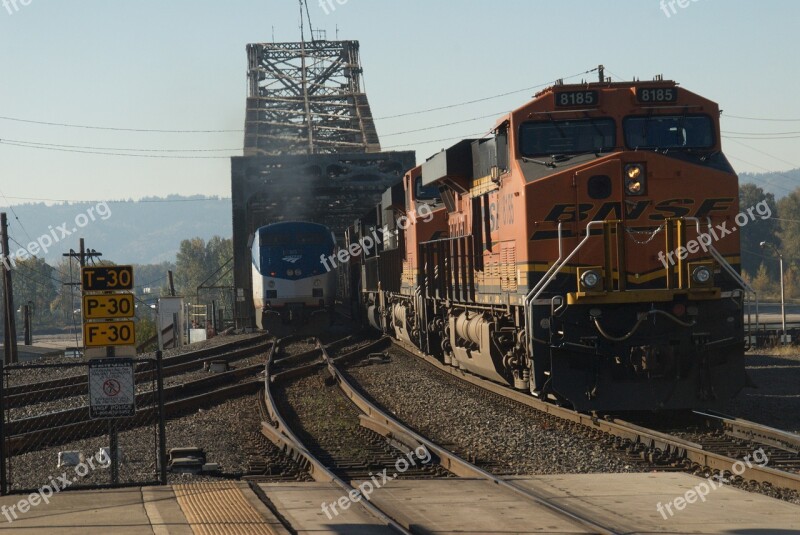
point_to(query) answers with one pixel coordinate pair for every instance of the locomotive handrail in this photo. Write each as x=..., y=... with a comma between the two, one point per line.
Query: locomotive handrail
x=551, y=273
x=560, y=262
x=528, y=316
x=738, y=278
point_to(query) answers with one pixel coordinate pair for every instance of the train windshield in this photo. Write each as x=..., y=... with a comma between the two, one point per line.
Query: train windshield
x=293, y=239
x=310, y=238
x=275, y=239
x=669, y=132
x=426, y=193
x=567, y=137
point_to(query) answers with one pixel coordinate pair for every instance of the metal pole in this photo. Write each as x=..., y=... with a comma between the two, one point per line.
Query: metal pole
x=113, y=438
x=162, y=431
x=26, y=326
x=177, y=332
x=160, y=333
x=8, y=290
x=783, y=303
x=3, y=475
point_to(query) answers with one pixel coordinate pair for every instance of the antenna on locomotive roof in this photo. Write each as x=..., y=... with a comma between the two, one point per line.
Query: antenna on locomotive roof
x=601, y=73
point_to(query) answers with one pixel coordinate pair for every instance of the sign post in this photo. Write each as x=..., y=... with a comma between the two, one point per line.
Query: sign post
x=108, y=310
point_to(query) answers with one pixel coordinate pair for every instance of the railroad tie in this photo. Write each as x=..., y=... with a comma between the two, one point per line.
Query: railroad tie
x=219, y=508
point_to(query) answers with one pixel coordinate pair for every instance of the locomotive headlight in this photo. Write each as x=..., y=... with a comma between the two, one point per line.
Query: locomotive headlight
x=634, y=179
x=702, y=274
x=271, y=284
x=317, y=283
x=297, y=272
x=289, y=272
x=590, y=279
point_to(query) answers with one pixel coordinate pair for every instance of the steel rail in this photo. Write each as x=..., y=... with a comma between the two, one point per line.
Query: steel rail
x=379, y=421
x=280, y=434
x=752, y=431
x=35, y=440
x=668, y=444
x=32, y=389
x=170, y=370
x=78, y=414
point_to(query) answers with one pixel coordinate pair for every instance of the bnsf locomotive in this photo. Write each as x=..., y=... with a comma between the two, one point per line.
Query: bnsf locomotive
x=577, y=252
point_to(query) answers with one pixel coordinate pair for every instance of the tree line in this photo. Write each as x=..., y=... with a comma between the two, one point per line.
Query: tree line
x=53, y=294
x=203, y=269
x=760, y=265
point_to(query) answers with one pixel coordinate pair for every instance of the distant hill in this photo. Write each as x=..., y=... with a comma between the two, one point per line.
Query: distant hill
x=779, y=184
x=151, y=230
x=143, y=232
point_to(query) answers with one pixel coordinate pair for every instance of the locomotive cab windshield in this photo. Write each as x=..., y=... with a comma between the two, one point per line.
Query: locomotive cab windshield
x=669, y=132
x=544, y=138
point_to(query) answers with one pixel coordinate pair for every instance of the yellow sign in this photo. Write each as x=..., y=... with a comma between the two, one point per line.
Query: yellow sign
x=109, y=333
x=101, y=278
x=108, y=306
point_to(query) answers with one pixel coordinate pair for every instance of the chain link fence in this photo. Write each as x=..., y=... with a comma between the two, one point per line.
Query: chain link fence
x=51, y=436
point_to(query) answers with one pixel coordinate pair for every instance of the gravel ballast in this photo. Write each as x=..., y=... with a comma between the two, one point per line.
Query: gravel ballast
x=776, y=400
x=495, y=433
x=223, y=431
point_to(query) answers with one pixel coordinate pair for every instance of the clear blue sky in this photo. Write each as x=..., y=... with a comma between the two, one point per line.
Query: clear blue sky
x=180, y=64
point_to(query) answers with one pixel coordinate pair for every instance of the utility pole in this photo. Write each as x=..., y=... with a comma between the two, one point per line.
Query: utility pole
x=82, y=256
x=171, y=284
x=27, y=310
x=784, y=337
x=10, y=338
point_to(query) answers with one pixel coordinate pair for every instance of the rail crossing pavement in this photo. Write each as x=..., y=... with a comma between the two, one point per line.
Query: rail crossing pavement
x=625, y=503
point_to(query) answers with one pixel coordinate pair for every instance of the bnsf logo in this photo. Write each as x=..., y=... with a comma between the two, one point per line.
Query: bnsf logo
x=631, y=211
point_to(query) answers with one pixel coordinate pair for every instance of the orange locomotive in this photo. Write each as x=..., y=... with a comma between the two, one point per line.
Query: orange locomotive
x=586, y=251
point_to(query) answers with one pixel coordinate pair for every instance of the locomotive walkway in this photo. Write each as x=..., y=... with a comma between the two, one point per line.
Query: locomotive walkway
x=626, y=503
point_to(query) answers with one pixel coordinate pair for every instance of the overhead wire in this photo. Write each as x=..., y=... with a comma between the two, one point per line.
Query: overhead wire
x=484, y=99
x=121, y=201
x=22, y=141
x=762, y=119
x=76, y=151
x=116, y=128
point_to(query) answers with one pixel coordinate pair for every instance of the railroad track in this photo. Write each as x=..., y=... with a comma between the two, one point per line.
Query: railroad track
x=27, y=394
x=329, y=468
x=719, y=455
x=29, y=434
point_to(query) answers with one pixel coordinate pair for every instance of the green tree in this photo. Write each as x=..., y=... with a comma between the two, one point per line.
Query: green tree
x=762, y=283
x=759, y=229
x=791, y=282
x=789, y=210
x=69, y=297
x=197, y=261
x=145, y=328
x=36, y=284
